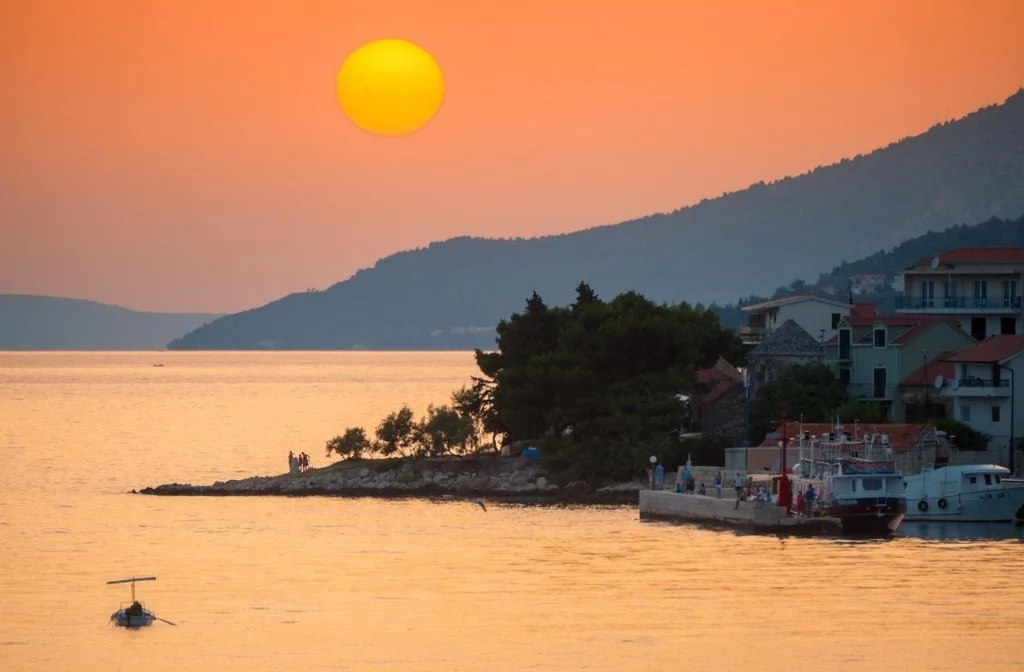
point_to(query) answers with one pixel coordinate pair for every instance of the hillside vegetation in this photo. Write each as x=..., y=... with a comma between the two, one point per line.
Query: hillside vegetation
x=739, y=244
x=49, y=323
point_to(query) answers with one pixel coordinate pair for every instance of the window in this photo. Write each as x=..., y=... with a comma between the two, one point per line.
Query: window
x=871, y=484
x=844, y=376
x=999, y=479
x=965, y=412
x=974, y=479
x=988, y=479
x=879, y=338
x=836, y=319
x=980, y=293
x=1010, y=299
x=880, y=383
x=927, y=294
x=844, y=344
x=1008, y=326
x=995, y=414
x=949, y=293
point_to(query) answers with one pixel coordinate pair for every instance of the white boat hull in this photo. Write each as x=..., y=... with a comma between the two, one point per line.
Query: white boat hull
x=936, y=496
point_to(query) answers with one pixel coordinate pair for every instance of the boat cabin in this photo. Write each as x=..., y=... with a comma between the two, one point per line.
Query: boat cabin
x=850, y=479
x=969, y=478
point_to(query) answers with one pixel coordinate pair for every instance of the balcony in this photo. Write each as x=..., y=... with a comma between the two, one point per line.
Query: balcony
x=975, y=387
x=872, y=392
x=752, y=335
x=958, y=304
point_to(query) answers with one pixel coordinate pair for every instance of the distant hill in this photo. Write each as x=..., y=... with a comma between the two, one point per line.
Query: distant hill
x=741, y=243
x=49, y=323
x=889, y=264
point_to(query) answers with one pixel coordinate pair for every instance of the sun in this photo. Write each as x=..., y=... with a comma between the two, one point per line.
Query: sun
x=390, y=87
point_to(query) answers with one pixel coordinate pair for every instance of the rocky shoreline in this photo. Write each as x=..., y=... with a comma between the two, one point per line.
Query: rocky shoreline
x=511, y=480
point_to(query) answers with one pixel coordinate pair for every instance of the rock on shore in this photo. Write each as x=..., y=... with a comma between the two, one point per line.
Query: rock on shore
x=495, y=478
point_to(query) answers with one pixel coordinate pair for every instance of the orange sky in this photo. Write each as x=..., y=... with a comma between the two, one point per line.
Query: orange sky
x=190, y=154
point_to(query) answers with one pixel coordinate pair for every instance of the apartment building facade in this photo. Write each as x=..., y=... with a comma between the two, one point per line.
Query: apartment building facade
x=980, y=287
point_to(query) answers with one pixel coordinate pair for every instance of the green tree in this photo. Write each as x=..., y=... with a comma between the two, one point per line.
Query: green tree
x=396, y=433
x=812, y=392
x=475, y=402
x=862, y=411
x=963, y=436
x=353, y=444
x=444, y=431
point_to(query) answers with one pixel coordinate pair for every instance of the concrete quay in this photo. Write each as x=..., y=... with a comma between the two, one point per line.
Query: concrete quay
x=756, y=517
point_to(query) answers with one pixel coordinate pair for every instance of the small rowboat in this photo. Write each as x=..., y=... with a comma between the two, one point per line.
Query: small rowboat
x=134, y=614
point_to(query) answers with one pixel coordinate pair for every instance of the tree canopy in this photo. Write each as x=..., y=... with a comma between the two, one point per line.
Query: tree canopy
x=597, y=383
x=811, y=392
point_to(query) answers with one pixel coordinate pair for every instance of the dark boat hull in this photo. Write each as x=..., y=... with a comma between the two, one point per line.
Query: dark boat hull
x=868, y=516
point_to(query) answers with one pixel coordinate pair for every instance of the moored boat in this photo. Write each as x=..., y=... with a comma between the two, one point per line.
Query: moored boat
x=974, y=493
x=134, y=614
x=853, y=479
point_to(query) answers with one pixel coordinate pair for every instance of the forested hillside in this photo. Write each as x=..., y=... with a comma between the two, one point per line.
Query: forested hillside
x=448, y=294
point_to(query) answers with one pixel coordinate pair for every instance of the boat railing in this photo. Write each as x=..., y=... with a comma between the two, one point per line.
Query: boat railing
x=815, y=450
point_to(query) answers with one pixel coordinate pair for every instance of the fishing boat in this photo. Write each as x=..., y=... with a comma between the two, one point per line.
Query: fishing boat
x=854, y=480
x=134, y=614
x=970, y=493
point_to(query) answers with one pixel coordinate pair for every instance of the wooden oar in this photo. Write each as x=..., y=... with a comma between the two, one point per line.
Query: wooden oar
x=164, y=620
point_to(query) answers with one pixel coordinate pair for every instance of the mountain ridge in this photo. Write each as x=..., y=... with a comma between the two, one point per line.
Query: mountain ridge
x=967, y=170
x=38, y=322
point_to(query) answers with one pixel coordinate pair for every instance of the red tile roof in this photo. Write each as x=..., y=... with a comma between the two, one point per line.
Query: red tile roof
x=992, y=349
x=864, y=310
x=915, y=325
x=897, y=320
x=975, y=255
x=940, y=366
x=721, y=377
x=902, y=437
x=718, y=390
x=773, y=303
x=921, y=327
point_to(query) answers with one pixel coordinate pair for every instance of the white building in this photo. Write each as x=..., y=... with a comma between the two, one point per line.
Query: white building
x=985, y=392
x=980, y=286
x=818, y=316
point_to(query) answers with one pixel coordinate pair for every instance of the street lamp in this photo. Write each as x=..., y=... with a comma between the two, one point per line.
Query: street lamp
x=654, y=462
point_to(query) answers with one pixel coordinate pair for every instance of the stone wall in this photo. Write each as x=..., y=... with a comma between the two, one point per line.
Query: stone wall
x=755, y=516
x=722, y=418
x=764, y=368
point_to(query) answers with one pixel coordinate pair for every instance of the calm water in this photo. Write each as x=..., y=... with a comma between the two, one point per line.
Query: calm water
x=309, y=583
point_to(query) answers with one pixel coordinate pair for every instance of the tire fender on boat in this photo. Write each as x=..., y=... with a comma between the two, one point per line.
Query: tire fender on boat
x=922, y=505
x=942, y=503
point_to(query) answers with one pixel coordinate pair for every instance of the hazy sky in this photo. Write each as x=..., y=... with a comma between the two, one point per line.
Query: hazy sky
x=190, y=154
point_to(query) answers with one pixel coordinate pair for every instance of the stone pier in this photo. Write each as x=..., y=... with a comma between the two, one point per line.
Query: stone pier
x=760, y=517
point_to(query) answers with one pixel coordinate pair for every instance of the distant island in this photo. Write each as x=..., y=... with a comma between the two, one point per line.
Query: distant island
x=49, y=323
x=450, y=294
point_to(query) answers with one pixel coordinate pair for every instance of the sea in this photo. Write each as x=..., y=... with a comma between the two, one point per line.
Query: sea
x=321, y=583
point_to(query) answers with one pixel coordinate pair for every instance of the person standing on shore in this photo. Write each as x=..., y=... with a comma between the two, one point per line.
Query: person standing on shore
x=718, y=485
